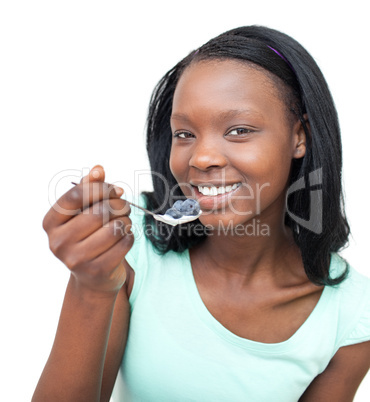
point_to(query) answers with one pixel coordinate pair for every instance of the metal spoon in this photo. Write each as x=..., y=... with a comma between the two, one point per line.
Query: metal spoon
x=164, y=218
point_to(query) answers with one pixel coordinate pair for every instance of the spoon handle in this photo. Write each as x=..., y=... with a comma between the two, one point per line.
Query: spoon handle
x=143, y=209
x=131, y=203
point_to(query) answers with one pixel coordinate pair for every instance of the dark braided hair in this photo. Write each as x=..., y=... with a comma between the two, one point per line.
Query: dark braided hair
x=306, y=93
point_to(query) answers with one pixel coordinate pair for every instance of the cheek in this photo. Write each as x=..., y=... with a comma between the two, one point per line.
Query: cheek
x=177, y=163
x=179, y=166
x=266, y=163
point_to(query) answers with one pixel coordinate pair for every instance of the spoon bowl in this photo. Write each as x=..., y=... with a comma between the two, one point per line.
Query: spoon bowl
x=167, y=218
x=176, y=221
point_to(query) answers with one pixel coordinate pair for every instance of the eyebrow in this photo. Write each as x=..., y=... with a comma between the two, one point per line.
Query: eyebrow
x=228, y=114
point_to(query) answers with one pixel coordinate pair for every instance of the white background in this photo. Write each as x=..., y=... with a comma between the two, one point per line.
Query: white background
x=75, y=81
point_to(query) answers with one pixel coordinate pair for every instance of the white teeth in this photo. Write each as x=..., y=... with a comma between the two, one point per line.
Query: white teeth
x=206, y=191
x=212, y=191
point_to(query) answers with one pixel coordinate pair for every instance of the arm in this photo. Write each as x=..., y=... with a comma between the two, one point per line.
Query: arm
x=342, y=377
x=117, y=336
x=74, y=369
x=90, y=247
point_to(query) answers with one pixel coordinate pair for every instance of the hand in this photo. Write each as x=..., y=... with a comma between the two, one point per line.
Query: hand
x=89, y=231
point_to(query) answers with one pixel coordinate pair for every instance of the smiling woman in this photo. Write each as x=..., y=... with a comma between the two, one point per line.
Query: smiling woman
x=291, y=97
x=210, y=310
x=238, y=147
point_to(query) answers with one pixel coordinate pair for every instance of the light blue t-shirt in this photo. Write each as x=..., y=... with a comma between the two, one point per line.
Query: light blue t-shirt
x=177, y=351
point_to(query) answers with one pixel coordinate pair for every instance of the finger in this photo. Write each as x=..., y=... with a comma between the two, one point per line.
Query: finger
x=104, y=266
x=96, y=174
x=76, y=254
x=103, y=239
x=93, y=218
x=112, y=257
x=78, y=198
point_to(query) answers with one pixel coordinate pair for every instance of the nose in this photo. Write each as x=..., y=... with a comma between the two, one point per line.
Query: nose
x=207, y=155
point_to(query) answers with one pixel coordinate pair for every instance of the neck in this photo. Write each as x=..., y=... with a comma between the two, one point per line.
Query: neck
x=261, y=251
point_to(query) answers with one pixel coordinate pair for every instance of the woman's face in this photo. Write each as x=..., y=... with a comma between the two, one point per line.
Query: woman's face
x=233, y=142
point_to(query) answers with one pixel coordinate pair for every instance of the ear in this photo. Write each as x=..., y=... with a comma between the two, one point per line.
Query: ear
x=299, y=138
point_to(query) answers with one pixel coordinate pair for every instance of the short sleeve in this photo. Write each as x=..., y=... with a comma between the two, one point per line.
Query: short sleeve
x=137, y=220
x=140, y=253
x=356, y=305
x=361, y=331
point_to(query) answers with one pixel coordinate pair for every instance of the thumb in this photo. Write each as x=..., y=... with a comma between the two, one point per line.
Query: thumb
x=96, y=174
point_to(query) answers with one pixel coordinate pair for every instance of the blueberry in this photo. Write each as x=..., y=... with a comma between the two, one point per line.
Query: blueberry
x=178, y=204
x=190, y=207
x=174, y=213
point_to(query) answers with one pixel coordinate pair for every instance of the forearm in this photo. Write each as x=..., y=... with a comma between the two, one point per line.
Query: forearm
x=74, y=369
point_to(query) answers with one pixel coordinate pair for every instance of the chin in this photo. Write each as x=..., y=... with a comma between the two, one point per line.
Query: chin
x=236, y=227
x=221, y=220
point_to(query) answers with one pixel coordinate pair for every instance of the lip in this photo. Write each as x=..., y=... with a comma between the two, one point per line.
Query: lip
x=214, y=202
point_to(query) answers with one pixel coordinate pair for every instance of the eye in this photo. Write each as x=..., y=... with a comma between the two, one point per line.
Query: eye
x=183, y=135
x=240, y=131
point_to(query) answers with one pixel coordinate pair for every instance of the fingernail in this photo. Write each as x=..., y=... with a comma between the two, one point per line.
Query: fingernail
x=95, y=174
x=118, y=190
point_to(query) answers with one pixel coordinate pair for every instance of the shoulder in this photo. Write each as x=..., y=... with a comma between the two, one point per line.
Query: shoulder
x=137, y=251
x=142, y=252
x=349, y=307
x=342, y=377
x=350, y=301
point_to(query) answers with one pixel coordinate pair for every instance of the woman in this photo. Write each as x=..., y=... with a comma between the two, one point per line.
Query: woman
x=214, y=310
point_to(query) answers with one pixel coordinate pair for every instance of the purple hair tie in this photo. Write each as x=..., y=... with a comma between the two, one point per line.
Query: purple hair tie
x=282, y=57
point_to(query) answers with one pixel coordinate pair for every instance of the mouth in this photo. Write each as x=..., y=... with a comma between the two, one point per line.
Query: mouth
x=212, y=197
x=213, y=191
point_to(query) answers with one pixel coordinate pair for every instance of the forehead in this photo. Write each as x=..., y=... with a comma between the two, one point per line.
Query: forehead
x=226, y=84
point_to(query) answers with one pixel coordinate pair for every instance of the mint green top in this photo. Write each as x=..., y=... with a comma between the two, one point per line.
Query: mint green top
x=177, y=351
